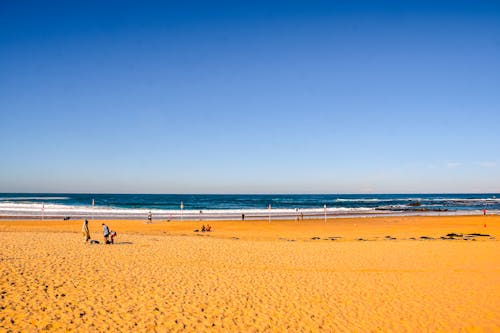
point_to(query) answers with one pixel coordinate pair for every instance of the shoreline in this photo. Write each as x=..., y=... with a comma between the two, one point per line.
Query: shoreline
x=252, y=215
x=346, y=228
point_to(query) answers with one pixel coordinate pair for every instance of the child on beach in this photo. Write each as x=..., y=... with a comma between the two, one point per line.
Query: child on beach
x=150, y=217
x=85, y=231
x=112, y=236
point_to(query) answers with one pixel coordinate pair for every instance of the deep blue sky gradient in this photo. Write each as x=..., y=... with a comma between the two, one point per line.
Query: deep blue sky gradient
x=245, y=97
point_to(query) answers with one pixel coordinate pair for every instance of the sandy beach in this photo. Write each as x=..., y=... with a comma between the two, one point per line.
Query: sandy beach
x=399, y=274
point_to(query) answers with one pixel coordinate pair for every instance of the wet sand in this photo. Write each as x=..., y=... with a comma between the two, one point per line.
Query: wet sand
x=345, y=275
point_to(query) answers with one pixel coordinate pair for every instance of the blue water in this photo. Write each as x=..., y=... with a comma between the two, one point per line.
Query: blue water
x=197, y=202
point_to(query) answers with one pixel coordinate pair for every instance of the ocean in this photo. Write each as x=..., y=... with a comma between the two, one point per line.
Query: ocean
x=233, y=206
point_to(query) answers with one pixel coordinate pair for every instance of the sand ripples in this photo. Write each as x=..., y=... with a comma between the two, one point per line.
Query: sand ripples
x=51, y=281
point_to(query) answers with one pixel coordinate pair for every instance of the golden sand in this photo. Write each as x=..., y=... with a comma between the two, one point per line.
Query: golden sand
x=253, y=276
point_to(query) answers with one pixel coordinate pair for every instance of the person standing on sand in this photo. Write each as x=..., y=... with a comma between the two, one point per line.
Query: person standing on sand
x=105, y=231
x=85, y=231
x=150, y=217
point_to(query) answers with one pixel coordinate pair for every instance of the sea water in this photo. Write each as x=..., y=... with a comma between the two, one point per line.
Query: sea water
x=231, y=206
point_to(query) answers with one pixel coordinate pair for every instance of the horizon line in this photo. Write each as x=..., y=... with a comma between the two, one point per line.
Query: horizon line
x=306, y=193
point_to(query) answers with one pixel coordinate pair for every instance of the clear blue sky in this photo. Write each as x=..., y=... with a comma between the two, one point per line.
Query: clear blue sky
x=250, y=97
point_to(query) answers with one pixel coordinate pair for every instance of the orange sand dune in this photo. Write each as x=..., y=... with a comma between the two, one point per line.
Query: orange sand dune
x=252, y=276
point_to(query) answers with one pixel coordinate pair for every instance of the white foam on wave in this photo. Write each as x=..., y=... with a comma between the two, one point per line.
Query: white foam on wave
x=377, y=200
x=34, y=209
x=419, y=199
x=32, y=198
x=15, y=209
x=465, y=199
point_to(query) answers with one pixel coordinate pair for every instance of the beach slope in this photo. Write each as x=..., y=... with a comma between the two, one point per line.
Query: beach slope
x=345, y=275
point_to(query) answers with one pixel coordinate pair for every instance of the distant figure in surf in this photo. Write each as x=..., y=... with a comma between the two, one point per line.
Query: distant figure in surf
x=85, y=231
x=150, y=217
x=484, y=211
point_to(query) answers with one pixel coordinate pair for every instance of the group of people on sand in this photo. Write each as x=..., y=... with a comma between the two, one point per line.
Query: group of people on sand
x=206, y=229
x=108, y=234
